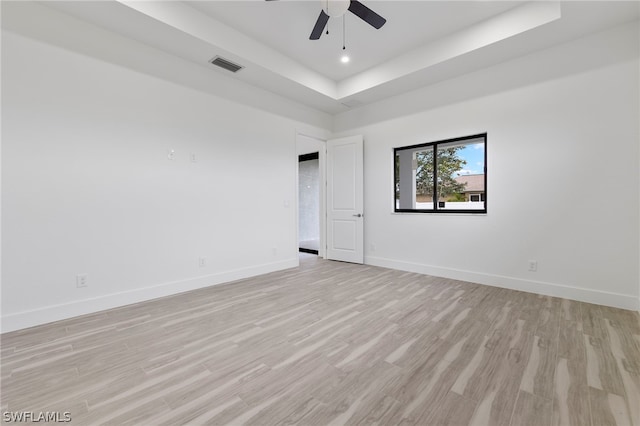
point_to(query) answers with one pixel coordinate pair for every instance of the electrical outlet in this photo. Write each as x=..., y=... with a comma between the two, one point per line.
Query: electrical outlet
x=533, y=265
x=81, y=280
x=171, y=154
x=274, y=250
x=372, y=248
x=193, y=157
x=202, y=262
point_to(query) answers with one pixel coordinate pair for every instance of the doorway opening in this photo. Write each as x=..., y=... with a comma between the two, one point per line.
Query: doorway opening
x=309, y=203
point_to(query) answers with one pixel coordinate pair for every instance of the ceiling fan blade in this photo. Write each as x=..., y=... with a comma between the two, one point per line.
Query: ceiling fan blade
x=320, y=24
x=366, y=14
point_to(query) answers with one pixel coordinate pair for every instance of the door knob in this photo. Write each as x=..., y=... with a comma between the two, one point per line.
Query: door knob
x=357, y=215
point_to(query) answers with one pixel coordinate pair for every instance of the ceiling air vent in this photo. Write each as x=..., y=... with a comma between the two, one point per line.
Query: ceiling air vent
x=226, y=64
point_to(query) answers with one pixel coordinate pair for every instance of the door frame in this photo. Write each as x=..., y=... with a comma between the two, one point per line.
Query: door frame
x=304, y=140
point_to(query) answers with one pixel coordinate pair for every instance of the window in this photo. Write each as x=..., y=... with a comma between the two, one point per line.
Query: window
x=452, y=172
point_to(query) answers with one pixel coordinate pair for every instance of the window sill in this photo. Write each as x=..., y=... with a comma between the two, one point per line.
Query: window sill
x=440, y=213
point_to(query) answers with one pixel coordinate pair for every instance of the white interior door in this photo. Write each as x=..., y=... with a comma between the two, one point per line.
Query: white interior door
x=345, y=226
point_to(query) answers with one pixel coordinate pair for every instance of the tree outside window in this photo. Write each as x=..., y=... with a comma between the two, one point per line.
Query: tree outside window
x=457, y=166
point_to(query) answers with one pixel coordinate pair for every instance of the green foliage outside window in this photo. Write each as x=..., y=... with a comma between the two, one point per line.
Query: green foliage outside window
x=448, y=164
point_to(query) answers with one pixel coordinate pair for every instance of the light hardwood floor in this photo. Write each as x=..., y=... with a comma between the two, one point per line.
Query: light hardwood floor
x=334, y=343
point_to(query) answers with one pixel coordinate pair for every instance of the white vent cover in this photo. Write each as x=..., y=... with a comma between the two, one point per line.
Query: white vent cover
x=226, y=64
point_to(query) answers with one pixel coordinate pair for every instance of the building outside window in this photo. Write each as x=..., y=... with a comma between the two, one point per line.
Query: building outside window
x=452, y=172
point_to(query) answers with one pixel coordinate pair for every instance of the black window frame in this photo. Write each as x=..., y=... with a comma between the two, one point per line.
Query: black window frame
x=435, y=144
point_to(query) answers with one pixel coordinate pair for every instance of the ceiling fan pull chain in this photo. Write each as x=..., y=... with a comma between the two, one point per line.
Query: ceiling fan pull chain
x=327, y=14
x=343, y=32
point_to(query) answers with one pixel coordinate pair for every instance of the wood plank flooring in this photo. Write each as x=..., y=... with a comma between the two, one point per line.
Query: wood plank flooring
x=333, y=343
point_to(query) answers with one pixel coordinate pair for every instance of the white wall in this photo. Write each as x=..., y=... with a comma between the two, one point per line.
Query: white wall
x=562, y=174
x=87, y=186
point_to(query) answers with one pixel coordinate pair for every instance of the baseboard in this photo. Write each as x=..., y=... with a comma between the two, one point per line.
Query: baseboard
x=616, y=300
x=25, y=319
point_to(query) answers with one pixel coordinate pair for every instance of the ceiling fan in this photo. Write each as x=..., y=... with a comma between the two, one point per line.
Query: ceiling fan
x=335, y=8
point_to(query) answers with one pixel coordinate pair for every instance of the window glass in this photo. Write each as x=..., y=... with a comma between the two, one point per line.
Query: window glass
x=452, y=172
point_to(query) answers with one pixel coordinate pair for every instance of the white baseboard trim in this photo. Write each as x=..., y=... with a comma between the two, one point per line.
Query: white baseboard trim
x=598, y=297
x=47, y=314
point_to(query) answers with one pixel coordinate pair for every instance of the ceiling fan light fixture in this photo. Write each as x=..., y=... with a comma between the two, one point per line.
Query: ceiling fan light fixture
x=335, y=8
x=344, y=59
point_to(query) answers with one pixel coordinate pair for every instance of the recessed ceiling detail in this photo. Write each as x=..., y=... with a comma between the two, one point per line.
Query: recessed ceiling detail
x=421, y=43
x=500, y=27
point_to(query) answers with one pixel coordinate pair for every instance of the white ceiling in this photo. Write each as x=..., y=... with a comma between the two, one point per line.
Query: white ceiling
x=285, y=26
x=423, y=42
